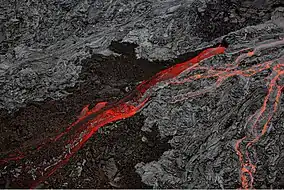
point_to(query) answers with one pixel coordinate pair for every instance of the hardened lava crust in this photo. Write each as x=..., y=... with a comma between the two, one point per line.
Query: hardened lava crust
x=217, y=124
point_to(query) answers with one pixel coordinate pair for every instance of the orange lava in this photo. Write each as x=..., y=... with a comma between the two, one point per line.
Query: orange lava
x=266, y=112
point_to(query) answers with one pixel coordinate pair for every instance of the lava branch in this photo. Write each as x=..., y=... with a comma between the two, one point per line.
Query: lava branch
x=77, y=134
x=264, y=115
x=260, y=120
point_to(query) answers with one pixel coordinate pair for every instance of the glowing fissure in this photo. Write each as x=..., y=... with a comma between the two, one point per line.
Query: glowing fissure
x=75, y=136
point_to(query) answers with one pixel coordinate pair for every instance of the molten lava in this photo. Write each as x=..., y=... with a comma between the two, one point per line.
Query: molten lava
x=258, y=123
x=76, y=135
x=89, y=121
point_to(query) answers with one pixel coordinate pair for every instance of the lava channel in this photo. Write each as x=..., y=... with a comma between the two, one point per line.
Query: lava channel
x=68, y=142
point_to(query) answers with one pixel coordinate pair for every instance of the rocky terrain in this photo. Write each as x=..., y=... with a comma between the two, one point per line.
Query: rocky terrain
x=224, y=129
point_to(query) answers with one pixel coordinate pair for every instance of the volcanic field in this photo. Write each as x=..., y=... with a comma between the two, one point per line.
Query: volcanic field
x=142, y=94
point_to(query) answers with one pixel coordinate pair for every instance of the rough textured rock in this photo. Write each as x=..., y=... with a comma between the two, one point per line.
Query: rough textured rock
x=40, y=40
x=205, y=128
x=48, y=47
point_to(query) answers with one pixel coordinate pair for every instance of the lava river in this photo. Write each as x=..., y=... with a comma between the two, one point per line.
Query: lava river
x=75, y=136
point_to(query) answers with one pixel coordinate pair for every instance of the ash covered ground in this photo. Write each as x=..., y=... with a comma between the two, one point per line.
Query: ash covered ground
x=58, y=56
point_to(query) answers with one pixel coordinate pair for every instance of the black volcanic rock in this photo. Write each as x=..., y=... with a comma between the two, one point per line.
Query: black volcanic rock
x=205, y=128
x=58, y=56
x=49, y=38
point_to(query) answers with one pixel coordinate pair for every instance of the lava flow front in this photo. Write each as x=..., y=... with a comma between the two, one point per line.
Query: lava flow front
x=76, y=135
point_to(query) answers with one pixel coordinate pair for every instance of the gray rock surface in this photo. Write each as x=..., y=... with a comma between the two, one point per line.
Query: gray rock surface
x=43, y=43
x=205, y=128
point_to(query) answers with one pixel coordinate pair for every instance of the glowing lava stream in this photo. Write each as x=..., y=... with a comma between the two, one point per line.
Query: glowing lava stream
x=103, y=113
x=260, y=120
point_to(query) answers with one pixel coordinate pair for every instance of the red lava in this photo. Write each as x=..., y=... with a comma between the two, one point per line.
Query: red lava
x=103, y=113
x=76, y=135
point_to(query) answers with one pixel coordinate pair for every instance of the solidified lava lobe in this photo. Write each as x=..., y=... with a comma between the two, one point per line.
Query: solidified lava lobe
x=89, y=121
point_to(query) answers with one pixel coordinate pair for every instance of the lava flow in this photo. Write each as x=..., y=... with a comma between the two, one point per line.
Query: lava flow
x=75, y=136
x=258, y=123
